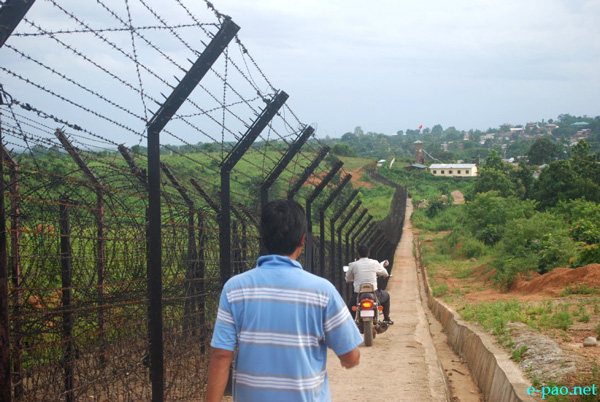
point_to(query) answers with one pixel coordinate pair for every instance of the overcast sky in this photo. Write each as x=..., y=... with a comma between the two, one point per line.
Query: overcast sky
x=384, y=65
x=389, y=65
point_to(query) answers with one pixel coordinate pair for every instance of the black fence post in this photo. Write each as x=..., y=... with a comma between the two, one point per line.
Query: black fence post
x=100, y=240
x=341, y=286
x=239, y=261
x=140, y=174
x=375, y=243
x=192, y=257
x=370, y=233
x=5, y=383
x=307, y=172
x=365, y=238
x=202, y=266
x=350, y=250
x=352, y=227
x=332, y=196
x=211, y=203
x=227, y=166
x=199, y=284
x=201, y=260
x=337, y=266
x=11, y=13
x=15, y=223
x=283, y=162
x=67, y=315
x=183, y=90
x=311, y=198
x=359, y=232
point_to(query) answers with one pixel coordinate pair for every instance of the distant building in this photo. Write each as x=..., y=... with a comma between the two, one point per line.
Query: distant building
x=419, y=158
x=415, y=166
x=453, y=169
x=583, y=134
x=486, y=137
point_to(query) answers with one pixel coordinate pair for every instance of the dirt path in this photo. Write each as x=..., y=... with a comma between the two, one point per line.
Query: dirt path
x=402, y=364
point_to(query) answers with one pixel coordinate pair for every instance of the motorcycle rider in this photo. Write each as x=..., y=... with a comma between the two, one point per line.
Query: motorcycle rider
x=366, y=270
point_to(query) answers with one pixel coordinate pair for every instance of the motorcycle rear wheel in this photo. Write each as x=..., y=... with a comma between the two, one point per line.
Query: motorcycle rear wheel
x=368, y=327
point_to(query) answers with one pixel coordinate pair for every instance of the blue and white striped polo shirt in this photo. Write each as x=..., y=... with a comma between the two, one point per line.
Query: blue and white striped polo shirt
x=283, y=319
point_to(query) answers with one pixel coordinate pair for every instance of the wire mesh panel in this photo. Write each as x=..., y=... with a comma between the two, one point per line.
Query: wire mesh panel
x=79, y=292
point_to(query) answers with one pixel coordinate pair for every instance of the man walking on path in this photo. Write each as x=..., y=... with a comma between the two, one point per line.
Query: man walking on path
x=282, y=319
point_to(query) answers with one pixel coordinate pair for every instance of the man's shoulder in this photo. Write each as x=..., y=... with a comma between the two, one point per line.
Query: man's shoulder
x=240, y=279
x=303, y=279
x=316, y=282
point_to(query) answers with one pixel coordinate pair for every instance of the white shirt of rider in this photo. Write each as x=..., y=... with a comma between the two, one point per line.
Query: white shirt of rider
x=365, y=270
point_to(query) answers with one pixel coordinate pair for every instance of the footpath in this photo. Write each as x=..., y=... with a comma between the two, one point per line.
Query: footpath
x=402, y=364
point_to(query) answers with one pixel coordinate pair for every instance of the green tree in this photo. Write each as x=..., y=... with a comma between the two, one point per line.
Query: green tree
x=494, y=161
x=522, y=178
x=560, y=182
x=491, y=179
x=437, y=130
x=342, y=150
x=543, y=150
x=487, y=215
x=584, y=163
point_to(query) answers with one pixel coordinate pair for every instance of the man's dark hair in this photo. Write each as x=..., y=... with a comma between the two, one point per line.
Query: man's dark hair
x=363, y=250
x=282, y=225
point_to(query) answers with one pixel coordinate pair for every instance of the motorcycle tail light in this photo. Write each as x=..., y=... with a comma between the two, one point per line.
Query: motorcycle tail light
x=367, y=304
x=380, y=308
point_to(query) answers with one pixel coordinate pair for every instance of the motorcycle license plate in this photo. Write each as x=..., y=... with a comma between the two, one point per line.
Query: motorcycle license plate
x=367, y=313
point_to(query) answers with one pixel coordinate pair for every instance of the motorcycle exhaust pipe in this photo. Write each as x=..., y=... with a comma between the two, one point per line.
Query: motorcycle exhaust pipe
x=381, y=328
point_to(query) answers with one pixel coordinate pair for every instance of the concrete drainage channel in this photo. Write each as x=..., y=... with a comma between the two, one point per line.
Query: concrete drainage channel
x=491, y=368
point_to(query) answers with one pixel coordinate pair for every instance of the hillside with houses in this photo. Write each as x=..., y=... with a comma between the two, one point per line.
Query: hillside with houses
x=535, y=142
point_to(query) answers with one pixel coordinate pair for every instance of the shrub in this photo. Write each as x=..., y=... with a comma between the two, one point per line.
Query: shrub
x=435, y=207
x=508, y=267
x=585, y=231
x=440, y=290
x=586, y=254
x=561, y=320
x=538, y=243
x=486, y=217
x=574, y=210
x=587, y=235
x=444, y=220
x=553, y=251
x=464, y=245
x=517, y=354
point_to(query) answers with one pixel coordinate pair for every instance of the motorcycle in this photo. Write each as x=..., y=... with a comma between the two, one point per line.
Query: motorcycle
x=368, y=313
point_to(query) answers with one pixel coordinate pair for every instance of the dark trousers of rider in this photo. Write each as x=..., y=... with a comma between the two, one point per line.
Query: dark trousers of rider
x=381, y=295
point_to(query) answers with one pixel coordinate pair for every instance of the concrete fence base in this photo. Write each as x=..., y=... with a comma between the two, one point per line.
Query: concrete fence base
x=494, y=373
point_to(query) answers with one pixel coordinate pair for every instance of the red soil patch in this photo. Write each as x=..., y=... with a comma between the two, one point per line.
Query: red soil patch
x=557, y=280
x=356, y=179
x=459, y=198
